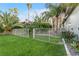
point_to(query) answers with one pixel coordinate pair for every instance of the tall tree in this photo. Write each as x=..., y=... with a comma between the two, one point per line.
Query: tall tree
x=8, y=22
x=13, y=11
x=29, y=5
x=69, y=7
x=53, y=13
x=57, y=9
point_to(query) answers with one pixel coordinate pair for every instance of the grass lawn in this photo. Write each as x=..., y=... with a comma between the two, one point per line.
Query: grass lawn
x=19, y=46
x=53, y=39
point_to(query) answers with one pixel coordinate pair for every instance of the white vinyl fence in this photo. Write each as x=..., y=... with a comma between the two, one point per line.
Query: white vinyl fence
x=38, y=33
x=21, y=32
x=42, y=34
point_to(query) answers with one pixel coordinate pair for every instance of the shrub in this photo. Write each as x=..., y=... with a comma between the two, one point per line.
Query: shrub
x=68, y=36
x=1, y=30
x=37, y=25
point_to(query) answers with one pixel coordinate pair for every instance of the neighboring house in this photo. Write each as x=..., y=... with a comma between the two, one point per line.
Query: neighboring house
x=72, y=23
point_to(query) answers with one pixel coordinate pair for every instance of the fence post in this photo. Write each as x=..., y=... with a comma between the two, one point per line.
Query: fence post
x=28, y=33
x=33, y=33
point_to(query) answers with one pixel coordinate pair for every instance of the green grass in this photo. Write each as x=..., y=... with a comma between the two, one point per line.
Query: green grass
x=18, y=46
x=54, y=39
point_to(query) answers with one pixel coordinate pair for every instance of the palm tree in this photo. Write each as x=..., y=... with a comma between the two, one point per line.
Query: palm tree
x=53, y=13
x=55, y=10
x=69, y=7
x=13, y=11
x=38, y=19
x=8, y=22
x=29, y=5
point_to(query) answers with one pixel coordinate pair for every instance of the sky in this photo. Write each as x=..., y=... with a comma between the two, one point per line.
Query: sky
x=37, y=8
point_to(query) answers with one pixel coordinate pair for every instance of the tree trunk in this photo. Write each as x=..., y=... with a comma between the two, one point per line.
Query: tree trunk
x=57, y=25
x=7, y=31
x=53, y=25
x=28, y=14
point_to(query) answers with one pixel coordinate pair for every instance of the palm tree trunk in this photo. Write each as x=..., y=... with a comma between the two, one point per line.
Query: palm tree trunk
x=57, y=25
x=7, y=30
x=28, y=13
x=53, y=25
x=29, y=5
